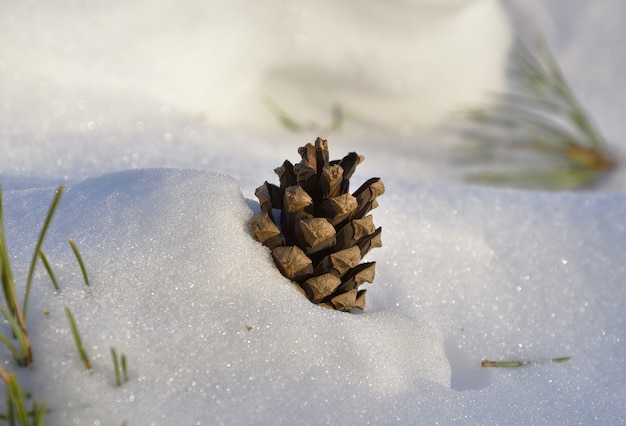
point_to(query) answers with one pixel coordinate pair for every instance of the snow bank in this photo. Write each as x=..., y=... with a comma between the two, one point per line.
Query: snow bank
x=213, y=332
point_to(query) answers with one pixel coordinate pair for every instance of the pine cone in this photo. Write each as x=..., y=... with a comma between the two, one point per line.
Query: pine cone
x=323, y=232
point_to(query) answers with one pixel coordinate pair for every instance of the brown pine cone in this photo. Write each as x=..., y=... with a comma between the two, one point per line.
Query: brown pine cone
x=323, y=231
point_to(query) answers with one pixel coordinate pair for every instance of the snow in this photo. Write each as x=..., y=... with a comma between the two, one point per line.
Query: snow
x=158, y=195
x=223, y=61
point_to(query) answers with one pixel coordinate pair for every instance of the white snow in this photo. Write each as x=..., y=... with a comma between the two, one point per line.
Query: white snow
x=158, y=198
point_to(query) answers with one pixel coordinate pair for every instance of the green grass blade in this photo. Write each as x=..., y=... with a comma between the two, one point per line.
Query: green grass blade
x=46, y=265
x=77, y=340
x=42, y=234
x=80, y=261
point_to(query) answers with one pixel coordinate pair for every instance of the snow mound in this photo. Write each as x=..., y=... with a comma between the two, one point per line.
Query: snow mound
x=214, y=333
x=210, y=327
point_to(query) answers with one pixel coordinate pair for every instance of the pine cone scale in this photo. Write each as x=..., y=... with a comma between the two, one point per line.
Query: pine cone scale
x=292, y=262
x=315, y=234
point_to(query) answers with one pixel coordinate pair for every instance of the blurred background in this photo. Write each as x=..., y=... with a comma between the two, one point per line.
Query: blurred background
x=88, y=87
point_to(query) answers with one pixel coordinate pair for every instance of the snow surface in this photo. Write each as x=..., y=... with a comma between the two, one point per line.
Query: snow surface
x=159, y=194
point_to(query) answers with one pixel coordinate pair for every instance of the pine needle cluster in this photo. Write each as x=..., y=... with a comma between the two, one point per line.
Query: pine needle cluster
x=538, y=135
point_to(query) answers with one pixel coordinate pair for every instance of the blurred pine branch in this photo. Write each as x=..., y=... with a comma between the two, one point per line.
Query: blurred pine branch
x=538, y=135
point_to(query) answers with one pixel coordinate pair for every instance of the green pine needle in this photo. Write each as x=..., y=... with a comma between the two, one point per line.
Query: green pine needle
x=13, y=313
x=116, y=367
x=38, y=413
x=79, y=258
x=77, y=340
x=8, y=285
x=124, y=371
x=42, y=234
x=337, y=119
x=513, y=364
x=46, y=265
x=22, y=357
x=16, y=396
